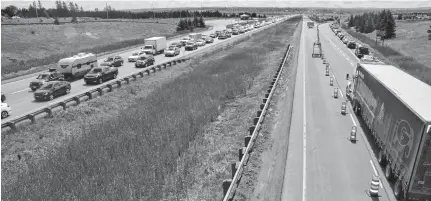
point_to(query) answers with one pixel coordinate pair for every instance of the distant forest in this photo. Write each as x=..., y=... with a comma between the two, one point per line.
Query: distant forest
x=71, y=9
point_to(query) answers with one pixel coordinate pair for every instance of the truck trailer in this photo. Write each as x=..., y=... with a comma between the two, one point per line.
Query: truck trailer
x=154, y=45
x=396, y=108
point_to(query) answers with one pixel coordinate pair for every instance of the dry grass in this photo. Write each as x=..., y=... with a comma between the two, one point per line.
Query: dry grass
x=390, y=55
x=148, y=148
x=28, y=46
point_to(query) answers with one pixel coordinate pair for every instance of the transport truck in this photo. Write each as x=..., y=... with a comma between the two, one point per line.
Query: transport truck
x=195, y=36
x=310, y=24
x=154, y=45
x=396, y=108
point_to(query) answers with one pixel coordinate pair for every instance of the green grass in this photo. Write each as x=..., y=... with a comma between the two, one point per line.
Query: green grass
x=145, y=149
x=28, y=46
x=407, y=63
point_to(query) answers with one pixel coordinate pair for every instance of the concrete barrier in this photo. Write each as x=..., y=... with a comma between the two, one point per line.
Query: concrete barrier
x=229, y=185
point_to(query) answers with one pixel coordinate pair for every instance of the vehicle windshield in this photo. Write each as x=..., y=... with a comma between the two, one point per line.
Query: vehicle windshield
x=96, y=70
x=186, y=39
x=142, y=58
x=42, y=76
x=135, y=54
x=47, y=86
x=190, y=43
x=363, y=50
x=109, y=59
x=171, y=48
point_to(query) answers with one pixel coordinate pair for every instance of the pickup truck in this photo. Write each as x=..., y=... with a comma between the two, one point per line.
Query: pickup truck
x=396, y=109
x=154, y=45
x=51, y=75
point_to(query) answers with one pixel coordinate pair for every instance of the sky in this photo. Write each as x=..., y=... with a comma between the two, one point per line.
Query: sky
x=147, y=4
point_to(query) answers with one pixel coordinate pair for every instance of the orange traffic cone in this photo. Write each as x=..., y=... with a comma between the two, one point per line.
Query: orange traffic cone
x=374, y=187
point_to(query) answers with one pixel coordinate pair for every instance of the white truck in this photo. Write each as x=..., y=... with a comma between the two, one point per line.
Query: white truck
x=195, y=36
x=154, y=45
x=77, y=66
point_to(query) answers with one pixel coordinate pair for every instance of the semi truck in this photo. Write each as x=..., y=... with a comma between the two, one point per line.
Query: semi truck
x=396, y=109
x=154, y=45
x=310, y=24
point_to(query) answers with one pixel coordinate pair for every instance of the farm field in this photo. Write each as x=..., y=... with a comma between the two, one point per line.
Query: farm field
x=170, y=135
x=28, y=46
x=412, y=40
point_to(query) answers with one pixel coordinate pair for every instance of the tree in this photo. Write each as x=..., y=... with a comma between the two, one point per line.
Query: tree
x=195, y=22
x=400, y=16
x=390, y=25
x=202, y=22
x=82, y=10
x=10, y=10
x=351, y=21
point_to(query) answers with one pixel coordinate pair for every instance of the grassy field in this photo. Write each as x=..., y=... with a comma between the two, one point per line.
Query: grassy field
x=152, y=139
x=401, y=51
x=29, y=46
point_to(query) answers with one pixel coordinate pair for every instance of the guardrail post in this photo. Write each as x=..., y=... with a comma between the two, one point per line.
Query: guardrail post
x=77, y=100
x=259, y=112
x=159, y=67
x=175, y=62
x=241, y=152
x=134, y=76
x=264, y=100
x=63, y=105
x=31, y=117
x=154, y=69
x=109, y=87
x=127, y=80
x=247, y=140
x=170, y=64
x=268, y=91
x=179, y=61
x=267, y=95
x=119, y=83
x=262, y=106
x=226, y=185
x=48, y=112
x=234, y=168
x=255, y=120
x=89, y=94
x=251, y=130
x=12, y=125
x=164, y=65
x=141, y=74
x=148, y=72
x=100, y=90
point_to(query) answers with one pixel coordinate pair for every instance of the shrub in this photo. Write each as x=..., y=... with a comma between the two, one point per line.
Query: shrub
x=56, y=22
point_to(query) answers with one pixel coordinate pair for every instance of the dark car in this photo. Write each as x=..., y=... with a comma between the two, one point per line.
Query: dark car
x=217, y=33
x=100, y=74
x=53, y=89
x=144, y=61
x=351, y=45
x=222, y=36
x=235, y=32
x=3, y=97
x=51, y=75
x=228, y=34
x=113, y=61
x=361, y=51
x=191, y=45
x=213, y=35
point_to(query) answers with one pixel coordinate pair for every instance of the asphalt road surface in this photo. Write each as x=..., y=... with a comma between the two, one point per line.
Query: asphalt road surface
x=20, y=97
x=322, y=164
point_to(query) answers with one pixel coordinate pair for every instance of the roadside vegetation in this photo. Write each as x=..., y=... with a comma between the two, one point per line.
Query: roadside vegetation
x=153, y=146
x=392, y=56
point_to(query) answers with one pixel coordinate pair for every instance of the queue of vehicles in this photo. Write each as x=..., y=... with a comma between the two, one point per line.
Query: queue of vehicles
x=56, y=81
x=360, y=50
x=394, y=107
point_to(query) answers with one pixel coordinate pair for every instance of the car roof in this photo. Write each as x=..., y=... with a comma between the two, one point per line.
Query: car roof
x=415, y=95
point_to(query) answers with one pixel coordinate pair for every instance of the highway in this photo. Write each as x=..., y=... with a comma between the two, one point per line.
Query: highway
x=322, y=164
x=20, y=97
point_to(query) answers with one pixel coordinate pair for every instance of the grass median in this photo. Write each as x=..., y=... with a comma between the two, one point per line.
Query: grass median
x=391, y=56
x=136, y=146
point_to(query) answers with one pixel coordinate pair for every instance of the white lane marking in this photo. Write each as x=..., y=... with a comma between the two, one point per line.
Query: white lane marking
x=353, y=120
x=19, y=91
x=304, y=126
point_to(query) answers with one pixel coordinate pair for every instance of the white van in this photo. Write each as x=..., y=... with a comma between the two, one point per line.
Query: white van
x=77, y=66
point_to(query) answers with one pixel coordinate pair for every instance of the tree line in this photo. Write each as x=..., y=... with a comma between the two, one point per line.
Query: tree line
x=368, y=22
x=188, y=24
x=71, y=9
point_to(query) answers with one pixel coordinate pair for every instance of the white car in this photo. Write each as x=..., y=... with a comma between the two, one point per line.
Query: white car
x=5, y=110
x=135, y=56
x=201, y=42
x=184, y=41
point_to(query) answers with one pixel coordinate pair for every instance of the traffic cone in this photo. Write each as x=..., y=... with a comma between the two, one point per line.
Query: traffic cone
x=374, y=186
x=352, y=137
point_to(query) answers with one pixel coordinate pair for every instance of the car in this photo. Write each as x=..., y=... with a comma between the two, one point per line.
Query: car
x=5, y=110
x=361, y=51
x=184, y=41
x=172, y=51
x=177, y=44
x=228, y=34
x=217, y=33
x=144, y=61
x=351, y=45
x=51, y=75
x=200, y=42
x=100, y=74
x=345, y=40
x=235, y=32
x=241, y=31
x=135, y=56
x=209, y=40
x=53, y=89
x=222, y=36
x=191, y=45
x=113, y=61
x=213, y=35
x=3, y=97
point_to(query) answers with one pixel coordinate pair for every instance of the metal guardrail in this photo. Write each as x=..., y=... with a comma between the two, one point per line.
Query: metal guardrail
x=89, y=93
x=230, y=185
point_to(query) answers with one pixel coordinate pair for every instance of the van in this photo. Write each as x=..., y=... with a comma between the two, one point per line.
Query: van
x=77, y=66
